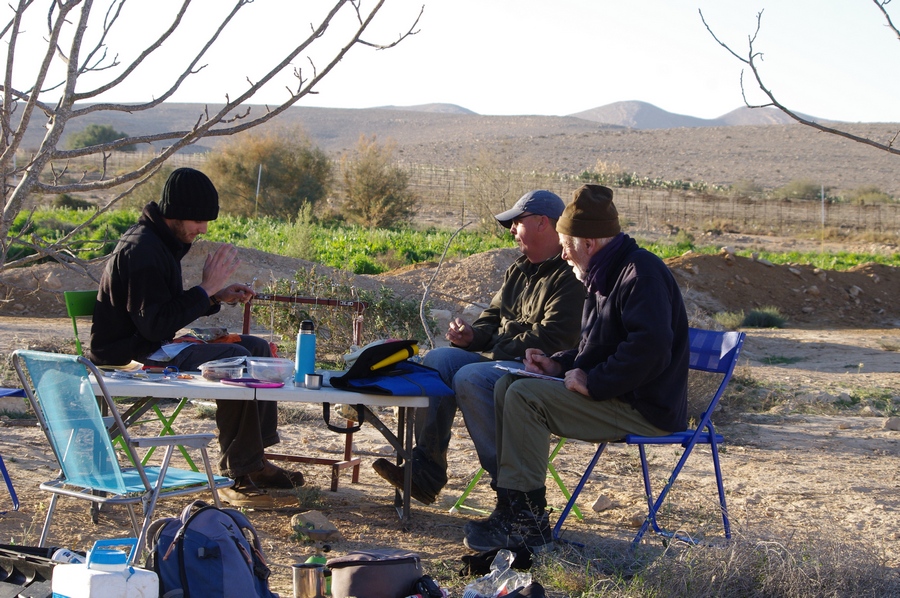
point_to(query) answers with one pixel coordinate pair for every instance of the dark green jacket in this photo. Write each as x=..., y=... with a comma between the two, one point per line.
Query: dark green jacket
x=539, y=306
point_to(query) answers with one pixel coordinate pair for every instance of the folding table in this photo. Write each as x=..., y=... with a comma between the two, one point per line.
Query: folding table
x=199, y=388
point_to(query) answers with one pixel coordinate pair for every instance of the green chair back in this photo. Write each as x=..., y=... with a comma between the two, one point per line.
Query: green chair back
x=79, y=304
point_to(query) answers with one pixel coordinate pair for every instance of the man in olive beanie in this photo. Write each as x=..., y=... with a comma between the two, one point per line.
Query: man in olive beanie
x=628, y=374
x=142, y=304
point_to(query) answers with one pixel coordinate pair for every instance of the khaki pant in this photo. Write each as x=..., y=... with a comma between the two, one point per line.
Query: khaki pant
x=529, y=410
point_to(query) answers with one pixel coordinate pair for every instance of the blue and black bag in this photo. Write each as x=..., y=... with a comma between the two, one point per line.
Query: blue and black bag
x=398, y=378
x=208, y=553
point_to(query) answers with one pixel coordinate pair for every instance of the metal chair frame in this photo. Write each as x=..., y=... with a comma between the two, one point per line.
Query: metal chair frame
x=60, y=392
x=9, y=485
x=551, y=470
x=711, y=351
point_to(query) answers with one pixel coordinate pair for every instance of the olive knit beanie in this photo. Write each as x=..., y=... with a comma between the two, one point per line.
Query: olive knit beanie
x=591, y=215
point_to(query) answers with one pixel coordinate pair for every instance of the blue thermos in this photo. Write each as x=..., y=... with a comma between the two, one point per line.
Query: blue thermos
x=306, y=352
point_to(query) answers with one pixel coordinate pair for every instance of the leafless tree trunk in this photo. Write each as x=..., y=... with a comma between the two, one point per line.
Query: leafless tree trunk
x=754, y=57
x=65, y=99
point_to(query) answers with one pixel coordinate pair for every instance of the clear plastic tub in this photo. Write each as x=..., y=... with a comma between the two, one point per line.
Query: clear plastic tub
x=270, y=369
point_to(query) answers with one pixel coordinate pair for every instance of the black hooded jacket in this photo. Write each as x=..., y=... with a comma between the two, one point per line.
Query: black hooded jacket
x=142, y=302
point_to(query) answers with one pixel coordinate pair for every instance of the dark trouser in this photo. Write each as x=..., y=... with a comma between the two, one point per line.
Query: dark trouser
x=435, y=422
x=245, y=427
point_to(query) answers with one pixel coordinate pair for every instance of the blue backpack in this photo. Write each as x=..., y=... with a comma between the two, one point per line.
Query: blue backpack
x=206, y=553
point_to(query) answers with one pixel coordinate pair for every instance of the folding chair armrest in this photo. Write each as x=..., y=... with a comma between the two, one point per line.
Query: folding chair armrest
x=190, y=440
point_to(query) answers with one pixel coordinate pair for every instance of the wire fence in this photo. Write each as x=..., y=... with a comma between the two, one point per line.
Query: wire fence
x=457, y=192
x=454, y=196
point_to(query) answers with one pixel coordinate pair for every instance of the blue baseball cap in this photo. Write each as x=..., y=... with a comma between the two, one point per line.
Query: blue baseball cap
x=542, y=202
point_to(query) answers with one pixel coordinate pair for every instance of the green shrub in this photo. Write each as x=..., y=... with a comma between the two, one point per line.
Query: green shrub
x=96, y=135
x=868, y=195
x=684, y=241
x=490, y=189
x=294, y=174
x=765, y=317
x=376, y=193
x=64, y=200
x=799, y=189
x=730, y=320
x=745, y=188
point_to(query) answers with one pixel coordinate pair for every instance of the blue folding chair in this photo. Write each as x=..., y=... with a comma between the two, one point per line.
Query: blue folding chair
x=711, y=351
x=9, y=485
x=59, y=389
x=10, y=392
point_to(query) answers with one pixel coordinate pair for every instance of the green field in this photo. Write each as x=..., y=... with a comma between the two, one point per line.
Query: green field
x=359, y=250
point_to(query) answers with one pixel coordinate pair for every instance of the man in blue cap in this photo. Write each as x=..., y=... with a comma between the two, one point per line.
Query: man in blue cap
x=538, y=306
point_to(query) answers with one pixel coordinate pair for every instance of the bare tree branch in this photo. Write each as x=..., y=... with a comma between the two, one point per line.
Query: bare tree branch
x=68, y=23
x=752, y=61
x=431, y=281
x=881, y=4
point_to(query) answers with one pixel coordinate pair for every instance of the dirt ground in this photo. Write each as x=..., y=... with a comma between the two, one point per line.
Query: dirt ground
x=821, y=456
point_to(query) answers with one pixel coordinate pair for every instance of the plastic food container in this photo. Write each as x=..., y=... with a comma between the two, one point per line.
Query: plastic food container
x=223, y=368
x=271, y=369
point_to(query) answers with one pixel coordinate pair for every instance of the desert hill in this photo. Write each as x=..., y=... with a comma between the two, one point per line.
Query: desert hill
x=675, y=148
x=641, y=115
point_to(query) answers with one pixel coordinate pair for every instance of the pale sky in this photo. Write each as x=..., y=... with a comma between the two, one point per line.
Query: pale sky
x=833, y=59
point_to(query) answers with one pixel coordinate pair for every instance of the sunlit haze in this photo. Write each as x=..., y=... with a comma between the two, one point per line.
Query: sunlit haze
x=832, y=59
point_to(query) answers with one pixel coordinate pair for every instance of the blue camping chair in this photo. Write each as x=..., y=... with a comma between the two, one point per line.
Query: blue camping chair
x=711, y=351
x=81, y=304
x=59, y=389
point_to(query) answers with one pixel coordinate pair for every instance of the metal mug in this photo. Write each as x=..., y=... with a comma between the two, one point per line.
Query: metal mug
x=309, y=580
x=313, y=381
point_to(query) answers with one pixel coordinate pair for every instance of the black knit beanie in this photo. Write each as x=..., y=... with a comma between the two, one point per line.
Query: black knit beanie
x=189, y=195
x=591, y=215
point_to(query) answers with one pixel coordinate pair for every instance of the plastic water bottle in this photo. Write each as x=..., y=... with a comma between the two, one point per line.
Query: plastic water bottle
x=306, y=352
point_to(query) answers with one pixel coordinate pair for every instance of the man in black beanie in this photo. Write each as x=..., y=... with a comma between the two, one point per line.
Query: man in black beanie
x=627, y=376
x=142, y=304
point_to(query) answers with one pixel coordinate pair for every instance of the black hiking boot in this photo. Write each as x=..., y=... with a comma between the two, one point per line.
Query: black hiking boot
x=525, y=524
x=502, y=509
x=394, y=475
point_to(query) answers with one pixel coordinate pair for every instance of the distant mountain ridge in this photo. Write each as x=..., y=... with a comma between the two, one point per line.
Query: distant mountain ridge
x=635, y=114
x=641, y=115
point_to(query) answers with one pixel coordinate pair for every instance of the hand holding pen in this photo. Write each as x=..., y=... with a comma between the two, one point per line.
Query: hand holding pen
x=537, y=361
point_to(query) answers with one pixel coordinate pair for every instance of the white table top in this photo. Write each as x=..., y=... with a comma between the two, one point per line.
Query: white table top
x=201, y=388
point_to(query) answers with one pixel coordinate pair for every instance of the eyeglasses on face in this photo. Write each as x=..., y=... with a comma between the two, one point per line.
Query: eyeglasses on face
x=517, y=221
